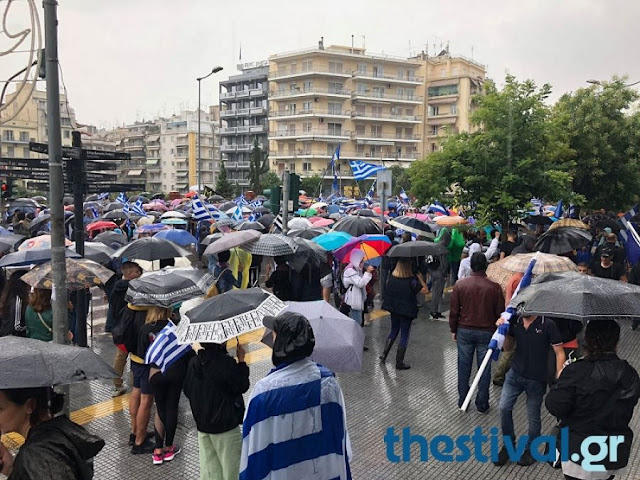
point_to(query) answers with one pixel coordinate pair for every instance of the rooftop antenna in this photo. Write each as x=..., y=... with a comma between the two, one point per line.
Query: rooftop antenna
x=352, y=43
x=471, y=52
x=363, y=42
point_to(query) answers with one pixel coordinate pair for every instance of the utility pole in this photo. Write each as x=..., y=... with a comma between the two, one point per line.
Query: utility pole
x=79, y=173
x=285, y=201
x=56, y=180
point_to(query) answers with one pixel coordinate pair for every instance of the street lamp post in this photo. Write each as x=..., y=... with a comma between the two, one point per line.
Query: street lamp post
x=214, y=70
x=599, y=82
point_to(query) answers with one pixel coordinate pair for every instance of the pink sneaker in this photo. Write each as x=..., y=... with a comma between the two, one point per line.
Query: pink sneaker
x=158, y=458
x=171, y=452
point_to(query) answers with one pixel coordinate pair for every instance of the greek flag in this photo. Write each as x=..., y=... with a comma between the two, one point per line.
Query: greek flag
x=122, y=198
x=336, y=156
x=165, y=349
x=137, y=208
x=256, y=203
x=125, y=208
x=403, y=196
x=497, y=340
x=94, y=212
x=277, y=223
x=237, y=214
x=362, y=170
x=438, y=208
x=103, y=196
x=625, y=219
x=240, y=201
x=538, y=206
x=559, y=210
x=369, y=198
x=295, y=426
x=198, y=210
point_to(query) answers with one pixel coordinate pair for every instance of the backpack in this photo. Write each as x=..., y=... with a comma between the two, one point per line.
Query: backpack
x=432, y=262
x=125, y=332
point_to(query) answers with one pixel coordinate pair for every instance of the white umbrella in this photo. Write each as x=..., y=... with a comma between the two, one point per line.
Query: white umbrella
x=231, y=211
x=318, y=205
x=173, y=214
x=299, y=224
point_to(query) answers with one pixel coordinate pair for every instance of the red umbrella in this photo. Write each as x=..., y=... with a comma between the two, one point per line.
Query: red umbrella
x=100, y=225
x=322, y=222
x=373, y=246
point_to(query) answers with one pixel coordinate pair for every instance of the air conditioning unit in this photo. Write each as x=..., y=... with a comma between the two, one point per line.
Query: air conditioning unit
x=322, y=120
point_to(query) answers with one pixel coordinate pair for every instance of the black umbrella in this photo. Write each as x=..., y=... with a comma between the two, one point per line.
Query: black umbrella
x=267, y=219
x=158, y=196
x=92, y=198
x=209, y=239
x=9, y=241
x=151, y=248
x=537, y=220
x=411, y=224
x=417, y=249
x=357, y=226
x=31, y=256
x=605, y=222
x=226, y=206
x=562, y=240
x=116, y=214
x=29, y=363
x=307, y=233
x=261, y=209
x=40, y=199
x=246, y=225
x=227, y=305
x=168, y=287
x=308, y=253
x=39, y=220
x=365, y=212
x=215, y=198
x=109, y=238
x=96, y=251
x=578, y=297
x=114, y=206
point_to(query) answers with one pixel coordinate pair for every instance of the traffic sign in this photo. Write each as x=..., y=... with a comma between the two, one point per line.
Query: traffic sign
x=76, y=152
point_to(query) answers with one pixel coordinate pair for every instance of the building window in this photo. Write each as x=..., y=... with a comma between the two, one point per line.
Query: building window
x=376, y=111
x=307, y=107
x=376, y=131
x=26, y=152
x=434, y=110
x=400, y=73
x=377, y=71
x=435, y=129
x=335, y=87
x=10, y=152
x=335, y=129
x=378, y=92
x=443, y=72
x=8, y=135
x=360, y=130
x=398, y=132
x=308, y=86
x=307, y=65
x=454, y=109
x=306, y=166
x=294, y=67
x=408, y=133
x=335, y=67
x=362, y=69
x=66, y=133
x=361, y=88
x=335, y=108
x=24, y=136
x=434, y=147
x=292, y=167
x=443, y=90
x=411, y=74
x=360, y=150
x=454, y=71
x=306, y=127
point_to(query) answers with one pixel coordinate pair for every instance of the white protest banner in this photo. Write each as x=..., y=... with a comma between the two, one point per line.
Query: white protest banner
x=221, y=331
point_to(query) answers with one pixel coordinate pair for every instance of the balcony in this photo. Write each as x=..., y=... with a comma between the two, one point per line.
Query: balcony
x=241, y=112
x=285, y=75
x=321, y=135
x=227, y=113
x=257, y=92
x=387, y=117
x=257, y=129
x=244, y=147
x=227, y=95
x=308, y=113
x=243, y=165
x=242, y=94
x=311, y=92
x=384, y=156
x=385, y=138
x=227, y=130
x=382, y=97
x=257, y=111
x=243, y=129
x=228, y=148
x=442, y=119
x=388, y=78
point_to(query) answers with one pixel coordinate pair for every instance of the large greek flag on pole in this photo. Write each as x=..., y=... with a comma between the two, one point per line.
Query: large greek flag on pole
x=295, y=426
x=362, y=170
x=165, y=349
x=198, y=210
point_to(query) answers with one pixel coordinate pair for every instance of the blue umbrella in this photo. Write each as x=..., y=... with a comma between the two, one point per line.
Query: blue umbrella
x=332, y=240
x=179, y=237
x=152, y=228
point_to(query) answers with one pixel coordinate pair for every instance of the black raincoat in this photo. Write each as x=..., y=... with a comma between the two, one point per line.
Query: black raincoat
x=57, y=450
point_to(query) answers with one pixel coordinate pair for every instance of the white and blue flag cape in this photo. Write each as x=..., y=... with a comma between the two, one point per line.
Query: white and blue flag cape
x=295, y=426
x=165, y=349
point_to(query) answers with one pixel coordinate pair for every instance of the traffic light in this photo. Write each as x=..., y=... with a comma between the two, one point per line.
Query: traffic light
x=273, y=202
x=294, y=190
x=7, y=189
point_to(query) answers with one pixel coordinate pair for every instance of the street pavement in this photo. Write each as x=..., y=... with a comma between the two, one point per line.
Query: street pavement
x=423, y=398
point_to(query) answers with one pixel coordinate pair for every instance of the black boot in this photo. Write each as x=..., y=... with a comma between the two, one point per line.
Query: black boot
x=400, y=365
x=387, y=348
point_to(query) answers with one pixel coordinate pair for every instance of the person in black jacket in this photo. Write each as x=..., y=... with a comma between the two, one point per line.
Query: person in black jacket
x=400, y=301
x=55, y=448
x=280, y=279
x=596, y=396
x=214, y=386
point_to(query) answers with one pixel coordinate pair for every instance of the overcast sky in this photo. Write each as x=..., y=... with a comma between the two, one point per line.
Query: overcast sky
x=132, y=59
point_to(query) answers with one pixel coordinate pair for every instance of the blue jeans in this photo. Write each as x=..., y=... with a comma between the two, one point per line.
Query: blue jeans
x=469, y=342
x=514, y=385
x=400, y=324
x=356, y=315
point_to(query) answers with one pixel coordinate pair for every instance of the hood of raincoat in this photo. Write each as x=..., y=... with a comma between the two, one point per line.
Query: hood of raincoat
x=474, y=248
x=294, y=337
x=356, y=257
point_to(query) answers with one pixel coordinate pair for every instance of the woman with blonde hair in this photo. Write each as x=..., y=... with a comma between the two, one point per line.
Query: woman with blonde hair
x=400, y=301
x=166, y=387
x=39, y=315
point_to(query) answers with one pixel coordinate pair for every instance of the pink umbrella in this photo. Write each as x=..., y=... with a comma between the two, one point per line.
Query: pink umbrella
x=322, y=222
x=420, y=216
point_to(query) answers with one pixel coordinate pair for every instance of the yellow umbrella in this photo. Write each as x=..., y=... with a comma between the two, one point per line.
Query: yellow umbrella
x=569, y=222
x=449, y=221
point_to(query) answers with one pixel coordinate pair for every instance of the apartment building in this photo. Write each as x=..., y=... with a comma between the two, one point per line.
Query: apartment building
x=378, y=108
x=243, y=118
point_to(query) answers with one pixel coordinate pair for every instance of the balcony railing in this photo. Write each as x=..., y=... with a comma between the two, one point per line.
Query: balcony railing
x=383, y=97
x=257, y=92
x=228, y=148
x=312, y=133
x=257, y=111
x=312, y=112
x=279, y=75
x=227, y=130
x=310, y=92
x=412, y=137
x=243, y=129
x=387, y=116
x=257, y=129
x=387, y=78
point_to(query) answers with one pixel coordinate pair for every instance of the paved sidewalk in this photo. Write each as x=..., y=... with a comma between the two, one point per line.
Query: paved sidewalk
x=423, y=398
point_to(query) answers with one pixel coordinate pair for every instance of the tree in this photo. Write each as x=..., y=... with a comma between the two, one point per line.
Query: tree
x=606, y=142
x=311, y=185
x=515, y=155
x=400, y=178
x=258, y=166
x=269, y=180
x=223, y=186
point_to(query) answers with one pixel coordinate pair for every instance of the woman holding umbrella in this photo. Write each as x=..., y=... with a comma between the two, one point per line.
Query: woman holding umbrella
x=400, y=300
x=355, y=281
x=54, y=448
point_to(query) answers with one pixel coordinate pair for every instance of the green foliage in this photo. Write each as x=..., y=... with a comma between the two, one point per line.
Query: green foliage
x=223, y=186
x=258, y=166
x=269, y=180
x=606, y=143
x=311, y=185
x=400, y=178
x=517, y=154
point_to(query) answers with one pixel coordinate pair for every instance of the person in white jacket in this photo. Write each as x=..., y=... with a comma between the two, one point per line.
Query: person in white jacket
x=465, y=264
x=355, y=281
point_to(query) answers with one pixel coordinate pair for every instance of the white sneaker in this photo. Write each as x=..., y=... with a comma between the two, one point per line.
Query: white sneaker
x=118, y=391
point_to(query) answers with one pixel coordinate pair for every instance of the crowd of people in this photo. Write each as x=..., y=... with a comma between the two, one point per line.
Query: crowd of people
x=594, y=395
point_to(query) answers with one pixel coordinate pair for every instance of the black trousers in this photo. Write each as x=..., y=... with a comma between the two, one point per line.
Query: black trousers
x=166, y=392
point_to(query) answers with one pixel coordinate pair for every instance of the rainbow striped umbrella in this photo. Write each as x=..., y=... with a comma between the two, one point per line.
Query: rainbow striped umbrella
x=373, y=246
